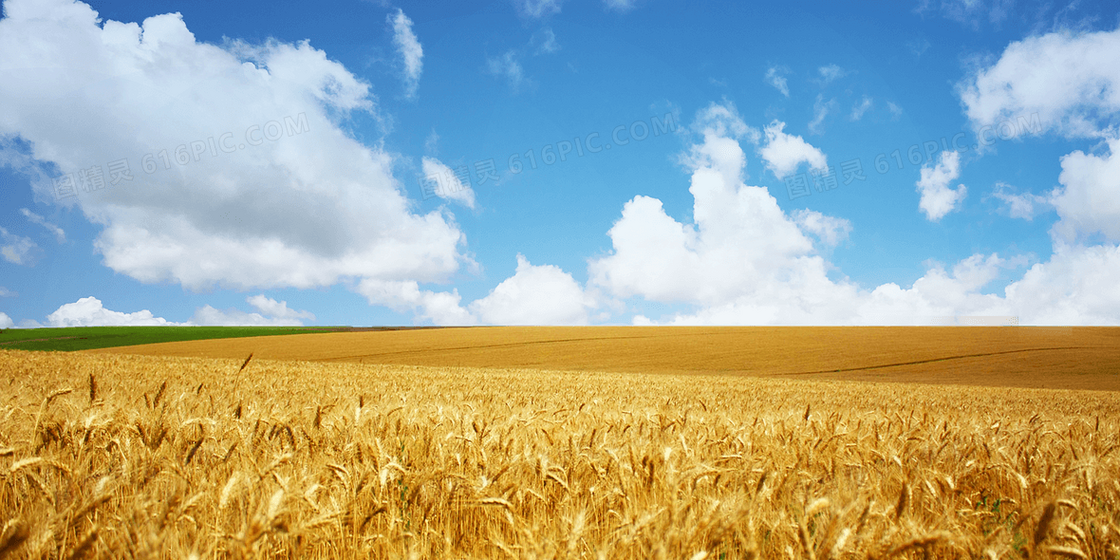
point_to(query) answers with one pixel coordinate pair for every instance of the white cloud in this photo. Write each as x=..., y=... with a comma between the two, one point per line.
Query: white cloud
x=775, y=77
x=722, y=119
x=441, y=308
x=208, y=316
x=895, y=110
x=830, y=230
x=830, y=72
x=17, y=249
x=89, y=312
x=37, y=219
x=721, y=126
x=1076, y=287
x=5, y=321
x=968, y=12
x=431, y=144
x=537, y=9
x=544, y=42
x=449, y=185
x=937, y=199
x=535, y=295
x=820, y=111
x=4, y=292
x=1020, y=205
x=784, y=152
x=1061, y=81
x=739, y=240
x=743, y=261
x=507, y=66
x=620, y=5
x=1088, y=201
x=861, y=108
x=307, y=207
x=278, y=309
x=269, y=313
x=412, y=54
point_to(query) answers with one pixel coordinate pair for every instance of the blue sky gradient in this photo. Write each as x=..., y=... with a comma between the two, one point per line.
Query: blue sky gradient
x=560, y=162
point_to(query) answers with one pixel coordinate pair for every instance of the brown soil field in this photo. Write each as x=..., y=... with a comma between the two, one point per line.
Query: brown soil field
x=1038, y=357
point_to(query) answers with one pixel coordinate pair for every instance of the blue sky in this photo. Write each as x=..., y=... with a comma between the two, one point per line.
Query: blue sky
x=559, y=162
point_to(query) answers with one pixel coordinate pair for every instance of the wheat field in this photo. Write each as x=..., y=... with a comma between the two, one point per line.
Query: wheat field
x=1038, y=357
x=167, y=457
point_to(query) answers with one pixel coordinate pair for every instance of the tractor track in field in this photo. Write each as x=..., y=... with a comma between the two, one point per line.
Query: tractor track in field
x=941, y=359
x=499, y=345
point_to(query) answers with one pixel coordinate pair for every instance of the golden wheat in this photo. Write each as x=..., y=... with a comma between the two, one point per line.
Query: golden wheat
x=1034, y=357
x=128, y=456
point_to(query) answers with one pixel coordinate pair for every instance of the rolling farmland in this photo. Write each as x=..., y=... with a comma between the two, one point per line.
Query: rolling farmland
x=693, y=443
x=140, y=456
x=1073, y=358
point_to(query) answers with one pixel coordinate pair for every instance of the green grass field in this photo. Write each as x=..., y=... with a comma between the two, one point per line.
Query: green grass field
x=86, y=338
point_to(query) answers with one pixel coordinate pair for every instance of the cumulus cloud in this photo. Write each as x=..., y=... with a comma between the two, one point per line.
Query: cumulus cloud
x=5, y=321
x=278, y=309
x=441, y=308
x=1020, y=205
x=37, y=219
x=445, y=183
x=775, y=76
x=740, y=237
x=536, y=9
x=812, y=299
x=508, y=66
x=269, y=313
x=784, y=152
x=4, y=292
x=535, y=295
x=1069, y=83
x=209, y=316
x=89, y=312
x=861, y=108
x=1088, y=200
x=1076, y=287
x=744, y=261
x=937, y=198
x=723, y=120
x=268, y=190
x=408, y=47
x=17, y=249
x=829, y=229
x=1062, y=81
